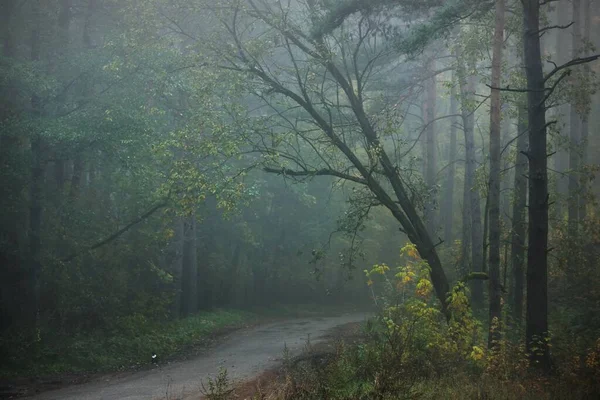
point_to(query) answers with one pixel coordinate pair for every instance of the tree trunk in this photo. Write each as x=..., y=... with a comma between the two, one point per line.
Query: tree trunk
x=518, y=215
x=64, y=22
x=189, y=297
x=79, y=163
x=177, y=265
x=467, y=88
x=486, y=231
x=466, y=230
x=561, y=164
x=537, y=252
x=506, y=176
x=431, y=158
x=37, y=177
x=574, y=133
x=495, y=311
x=8, y=48
x=8, y=52
x=448, y=213
x=583, y=183
x=402, y=207
x=78, y=166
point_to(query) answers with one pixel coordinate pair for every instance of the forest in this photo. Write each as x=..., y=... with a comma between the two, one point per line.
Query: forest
x=174, y=169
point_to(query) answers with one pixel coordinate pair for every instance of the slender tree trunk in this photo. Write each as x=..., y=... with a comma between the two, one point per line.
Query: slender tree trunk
x=466, y=230
x=583, y=183
x=537, y=252
x=506, y=177
x=574, y=133
x=189, y=296
x=177, y=265
x=467, y=88
x=431, y=161
x=78, y=166
x=495, y=310
x=37, y=177
x=448, y=213
x=78, y=162
x=466, y=204
x=486, y=231
x=519, y=230
x=562, y=156
x=8, y=52
x=64, y=23
x=8, y=48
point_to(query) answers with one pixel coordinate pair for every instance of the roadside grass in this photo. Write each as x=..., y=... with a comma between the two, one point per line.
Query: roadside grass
x=132, y=341
x=129, y=345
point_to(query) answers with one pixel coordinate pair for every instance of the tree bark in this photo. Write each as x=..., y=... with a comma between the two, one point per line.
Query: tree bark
x=495, y=306
x=585, y=118
x=189, y=296
x=431, y=151
x=574, y=133
x=7, y=100
x=506, y=176
x=78, y=166
x=518, y=216
x=177, y=265
x=486, y=230
x=467, y=88
x=64, y=22
x=561, y=163
x=448, y=213
x=8, y=48
x=37, y=177
x=537, y=252
x=79, y=162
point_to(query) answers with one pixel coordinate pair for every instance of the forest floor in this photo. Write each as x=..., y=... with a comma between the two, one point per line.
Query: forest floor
x=245, y=353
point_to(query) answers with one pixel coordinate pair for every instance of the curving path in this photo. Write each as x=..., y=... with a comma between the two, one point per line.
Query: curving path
x=245, y=353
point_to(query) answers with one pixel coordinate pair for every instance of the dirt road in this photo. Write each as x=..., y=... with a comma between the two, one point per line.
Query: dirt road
x=244, y=353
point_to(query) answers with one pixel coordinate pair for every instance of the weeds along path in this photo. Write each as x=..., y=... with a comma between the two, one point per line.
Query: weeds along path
x=245, y=353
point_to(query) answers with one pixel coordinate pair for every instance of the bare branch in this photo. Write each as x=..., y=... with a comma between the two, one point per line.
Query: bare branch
x=547, y=28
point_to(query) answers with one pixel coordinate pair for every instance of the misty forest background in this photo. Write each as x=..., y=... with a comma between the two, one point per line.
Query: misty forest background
x=161, y=158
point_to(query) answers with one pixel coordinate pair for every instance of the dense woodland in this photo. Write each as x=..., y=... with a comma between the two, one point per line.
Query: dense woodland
x=436, y=159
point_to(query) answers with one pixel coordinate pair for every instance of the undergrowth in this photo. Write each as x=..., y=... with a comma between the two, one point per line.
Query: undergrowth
x=129, y=344
x=409, y=351
x=131, y=341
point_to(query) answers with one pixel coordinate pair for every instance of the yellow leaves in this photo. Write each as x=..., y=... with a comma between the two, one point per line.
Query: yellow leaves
x=405, y=276
x=477, y=353
x=369, y=282
x=424, y=288
x=592, y=359
x=380, y=269
x=410, y=250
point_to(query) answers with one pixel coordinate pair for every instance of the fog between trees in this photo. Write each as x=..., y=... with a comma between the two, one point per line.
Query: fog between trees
x=165, y=157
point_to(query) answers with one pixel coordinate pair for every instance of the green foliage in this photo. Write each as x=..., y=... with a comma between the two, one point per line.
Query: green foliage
x=407, y=343
x=128, y=344
x=410, y=351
